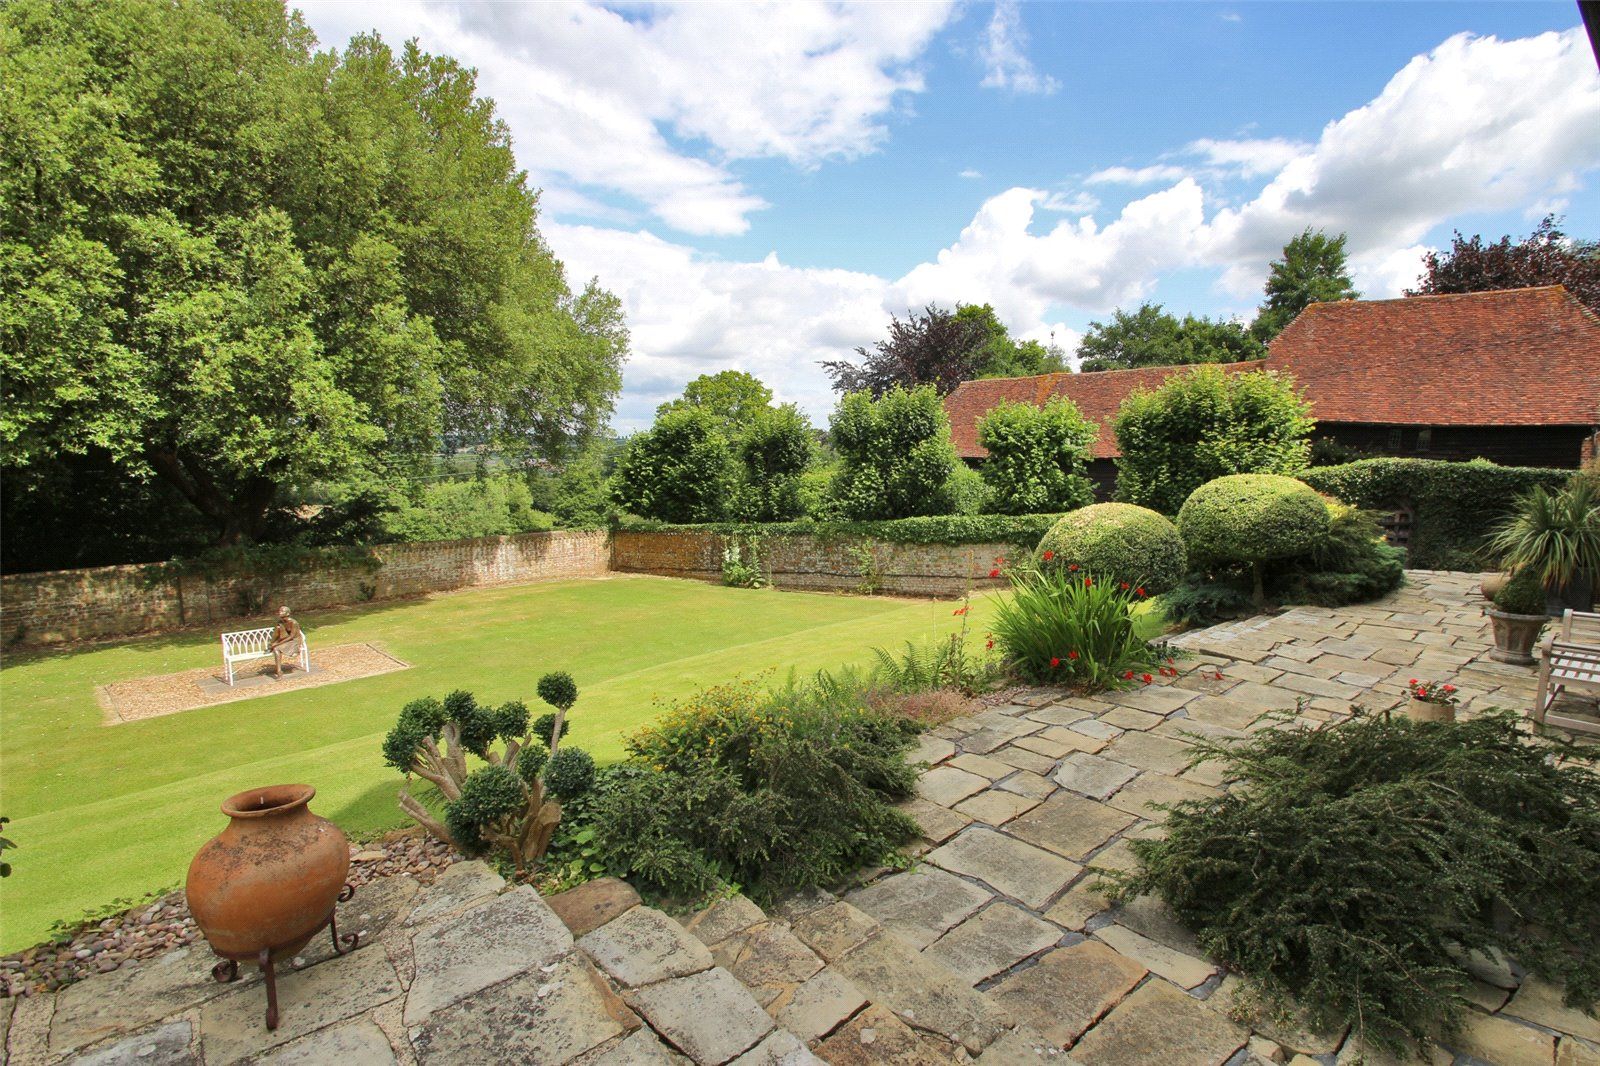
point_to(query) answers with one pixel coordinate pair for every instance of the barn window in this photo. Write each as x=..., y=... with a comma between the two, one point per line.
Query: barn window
x=1424, y=440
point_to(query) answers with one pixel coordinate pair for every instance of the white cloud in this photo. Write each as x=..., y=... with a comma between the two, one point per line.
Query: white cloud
x=1135, y=176
x=969, y=173
x=1005, y=59
x=1249, y=158
x=591, y=94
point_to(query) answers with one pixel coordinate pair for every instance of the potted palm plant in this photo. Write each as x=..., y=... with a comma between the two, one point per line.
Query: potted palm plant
x=1556, y=535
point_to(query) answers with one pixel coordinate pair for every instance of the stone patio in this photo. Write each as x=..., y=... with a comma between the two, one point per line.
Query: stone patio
x=993, y=949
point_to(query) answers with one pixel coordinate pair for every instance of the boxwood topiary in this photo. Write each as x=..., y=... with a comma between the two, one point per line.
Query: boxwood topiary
x=1118, y=541
x=569, y=773
x=1523, y=594
x=1251, y=518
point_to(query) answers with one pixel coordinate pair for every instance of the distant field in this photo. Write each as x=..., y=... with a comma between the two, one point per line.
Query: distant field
x=104, y=812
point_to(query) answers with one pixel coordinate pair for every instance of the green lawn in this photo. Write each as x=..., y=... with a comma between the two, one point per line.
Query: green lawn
x=105, y=812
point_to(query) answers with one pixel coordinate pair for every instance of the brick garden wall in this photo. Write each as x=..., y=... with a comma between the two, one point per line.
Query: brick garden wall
x=63, y=606
x=807, y=562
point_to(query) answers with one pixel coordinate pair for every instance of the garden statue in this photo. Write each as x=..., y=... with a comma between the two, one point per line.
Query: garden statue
x=286, y=640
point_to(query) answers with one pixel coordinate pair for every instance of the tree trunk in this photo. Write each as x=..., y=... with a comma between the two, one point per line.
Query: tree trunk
x=1260, y=585
x=238, y=515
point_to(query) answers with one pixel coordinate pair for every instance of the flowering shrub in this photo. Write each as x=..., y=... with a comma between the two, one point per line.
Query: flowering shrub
x=1433, y=692
x=1062, y=626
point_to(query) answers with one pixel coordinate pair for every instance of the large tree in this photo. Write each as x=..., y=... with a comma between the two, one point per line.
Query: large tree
x=235, y=263
x=733, y=397
x=1149, y=336
x=1544, y=257
x=942, y=348
x=1313, y=270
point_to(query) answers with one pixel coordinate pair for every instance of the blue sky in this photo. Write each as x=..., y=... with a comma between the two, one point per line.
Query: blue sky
x=764, y=186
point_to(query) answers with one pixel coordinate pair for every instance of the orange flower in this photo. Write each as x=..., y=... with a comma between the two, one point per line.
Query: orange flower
x=1048, y=555
x=960, y=610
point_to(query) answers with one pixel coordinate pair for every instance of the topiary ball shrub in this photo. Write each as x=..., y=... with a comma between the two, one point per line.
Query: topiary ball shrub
x=490, y=794
x=1121, y=542
x=1252, y=518
x=558, y=689
x=569, y=773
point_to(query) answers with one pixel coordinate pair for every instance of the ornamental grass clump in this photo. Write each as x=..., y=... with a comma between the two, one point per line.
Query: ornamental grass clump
x=512, y=804
x=1351, y=867
x=1063, y=626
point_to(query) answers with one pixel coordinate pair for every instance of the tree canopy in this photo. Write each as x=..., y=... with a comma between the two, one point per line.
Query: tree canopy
x=1546, y=256
x=236, y=263
x=1313, y=269
x=1150, y=336
x=942, y=348
x=733, y=397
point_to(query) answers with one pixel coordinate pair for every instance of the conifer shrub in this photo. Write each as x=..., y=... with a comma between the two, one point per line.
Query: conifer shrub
x=1352, y=866
x=1120, y=542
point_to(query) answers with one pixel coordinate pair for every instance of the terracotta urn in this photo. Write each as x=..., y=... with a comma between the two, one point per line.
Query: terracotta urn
x=270, y=879
x=1492, y=584
x=1427, y=711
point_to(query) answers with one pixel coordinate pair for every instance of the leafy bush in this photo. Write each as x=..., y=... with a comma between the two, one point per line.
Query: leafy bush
x=1202, y=599
x=501, y=806
x=772, y=792
x=896, y=454
x=1204, y=424
x=969, y=493
x=1118, y=541
x=741, y=563
x=1351, y=563
x=1453, y=505
x=456, y=510
x=1354, y=865
x=1037, y=456
x=775, y=449
x=1067, y=627
x=679, y=470
x=1523, y=594
x=1252, y=518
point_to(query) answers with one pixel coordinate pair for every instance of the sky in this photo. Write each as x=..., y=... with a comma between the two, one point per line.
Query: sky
x=764, y=185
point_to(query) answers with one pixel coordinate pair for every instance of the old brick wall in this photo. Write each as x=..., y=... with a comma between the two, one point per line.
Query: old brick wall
x=808, y=562
x=71, y=605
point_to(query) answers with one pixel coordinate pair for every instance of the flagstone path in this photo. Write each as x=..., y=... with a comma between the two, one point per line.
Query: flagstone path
x=994, y=948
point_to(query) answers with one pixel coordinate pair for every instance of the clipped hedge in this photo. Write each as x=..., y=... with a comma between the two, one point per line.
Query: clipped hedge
x=1022, y=530
x=1453, y=505
x=1119, y=541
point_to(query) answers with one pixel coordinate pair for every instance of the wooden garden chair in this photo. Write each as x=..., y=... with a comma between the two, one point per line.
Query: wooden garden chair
x=1570, y=665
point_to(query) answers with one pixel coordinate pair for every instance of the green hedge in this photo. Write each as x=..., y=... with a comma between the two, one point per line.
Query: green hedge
x=1022, y=530
x=1453, y=505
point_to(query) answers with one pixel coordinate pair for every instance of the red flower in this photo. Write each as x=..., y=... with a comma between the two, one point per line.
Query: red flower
x=1073, y=567
x=989, y=644
x=1128, y=676
x=1147, y=678
x=1123, y=585
x=1048, y=555
x=1217, y=675
x=1449, y=688
x=959, y=610
x=1139, y=592
x=1072, y=655
x=1088, y=582
x=1413, y=681
x=994, y=573
x=1054, y=662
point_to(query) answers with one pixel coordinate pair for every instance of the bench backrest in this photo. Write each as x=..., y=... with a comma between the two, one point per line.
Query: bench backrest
x=1581, y=627
x=246, y=641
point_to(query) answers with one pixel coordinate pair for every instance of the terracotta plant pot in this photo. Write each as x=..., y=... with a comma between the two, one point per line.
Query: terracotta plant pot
x=269, y=880
x=1424, y=711
x=1492, y=584
x=1514, y=636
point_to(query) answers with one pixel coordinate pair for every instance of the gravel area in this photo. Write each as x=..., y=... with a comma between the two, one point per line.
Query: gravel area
x=151, y=697
x=159, y=925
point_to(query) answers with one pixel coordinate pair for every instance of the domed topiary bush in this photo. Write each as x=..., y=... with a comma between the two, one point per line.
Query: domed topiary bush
x=1250, y=519
x=1118, y=541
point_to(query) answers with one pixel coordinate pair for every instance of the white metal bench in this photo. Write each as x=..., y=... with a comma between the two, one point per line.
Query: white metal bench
x=249, y=644
x=1570, y=664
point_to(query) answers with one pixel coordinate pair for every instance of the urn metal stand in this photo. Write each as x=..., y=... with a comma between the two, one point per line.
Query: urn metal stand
x=228, y=969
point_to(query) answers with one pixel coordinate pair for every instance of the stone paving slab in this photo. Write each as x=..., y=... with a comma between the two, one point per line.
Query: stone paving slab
x=481, y=947
x=1068, y=990
x=875, y=1037
x=819, y=1005
x=1158, y=1023
x=709, y=1015
x=991, y=941
x=922, y=993
x=644, y=946
x=919, y=905
x=357, y=1043
x=1071, y=826
x=1008, y=865
x=161, y=1045
x=123, y=1000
